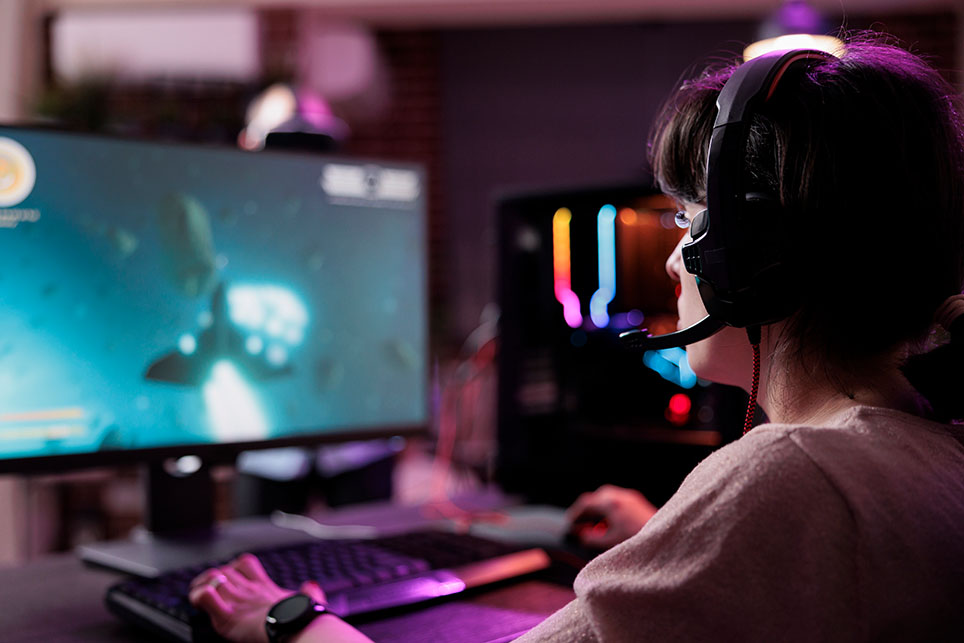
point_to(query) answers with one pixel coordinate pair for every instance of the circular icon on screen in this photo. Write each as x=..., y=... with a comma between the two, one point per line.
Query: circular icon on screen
x=17, y=172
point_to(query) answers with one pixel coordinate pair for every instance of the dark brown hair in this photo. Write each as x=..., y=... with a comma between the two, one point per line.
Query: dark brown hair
x=866, y=156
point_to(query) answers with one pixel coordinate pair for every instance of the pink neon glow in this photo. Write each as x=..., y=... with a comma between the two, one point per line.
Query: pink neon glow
x=315, y=110
x=562, y=269
x=570, y=303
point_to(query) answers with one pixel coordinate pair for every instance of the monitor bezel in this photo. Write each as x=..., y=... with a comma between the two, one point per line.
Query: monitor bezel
x=211, y=453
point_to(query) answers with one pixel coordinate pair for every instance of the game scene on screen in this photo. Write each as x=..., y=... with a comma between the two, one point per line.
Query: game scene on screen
x=155, y=295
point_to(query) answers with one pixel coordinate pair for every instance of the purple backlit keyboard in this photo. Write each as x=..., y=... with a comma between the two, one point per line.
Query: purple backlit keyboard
x=358, y=576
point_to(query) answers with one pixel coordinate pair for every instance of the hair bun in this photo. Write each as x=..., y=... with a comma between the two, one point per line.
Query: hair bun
x=938, y=375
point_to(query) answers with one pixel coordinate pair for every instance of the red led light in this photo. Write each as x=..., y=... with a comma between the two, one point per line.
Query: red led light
x=680, y=404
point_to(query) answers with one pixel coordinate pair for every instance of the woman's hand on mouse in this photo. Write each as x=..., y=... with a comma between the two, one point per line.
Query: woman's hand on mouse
x=624, y=512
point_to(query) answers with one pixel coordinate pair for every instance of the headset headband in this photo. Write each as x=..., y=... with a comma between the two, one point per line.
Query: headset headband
x=741, y=283
x=739, y=280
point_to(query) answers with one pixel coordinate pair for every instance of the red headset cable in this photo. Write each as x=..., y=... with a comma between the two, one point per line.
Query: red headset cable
x=753, y=333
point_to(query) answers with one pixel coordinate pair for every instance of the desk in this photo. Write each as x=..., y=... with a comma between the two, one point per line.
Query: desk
x=56, y=599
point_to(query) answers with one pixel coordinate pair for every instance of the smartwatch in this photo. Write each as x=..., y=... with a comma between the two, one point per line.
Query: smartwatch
x=291, y=615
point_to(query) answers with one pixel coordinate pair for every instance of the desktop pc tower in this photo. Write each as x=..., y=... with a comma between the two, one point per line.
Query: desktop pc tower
x=575, y=408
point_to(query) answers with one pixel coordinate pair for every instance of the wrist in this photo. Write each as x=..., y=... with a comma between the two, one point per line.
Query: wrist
x=327, y=627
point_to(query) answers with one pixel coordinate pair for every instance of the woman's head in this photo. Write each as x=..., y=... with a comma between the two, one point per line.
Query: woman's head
x=866, y=157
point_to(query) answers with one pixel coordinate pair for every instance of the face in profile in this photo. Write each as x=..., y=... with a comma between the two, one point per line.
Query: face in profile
x=726, y=357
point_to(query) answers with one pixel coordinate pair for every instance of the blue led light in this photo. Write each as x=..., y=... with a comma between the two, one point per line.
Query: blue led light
x=606, y=240
x=672, y=365
x=687, y=378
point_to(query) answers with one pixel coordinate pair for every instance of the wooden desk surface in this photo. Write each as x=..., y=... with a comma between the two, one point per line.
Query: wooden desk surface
x=57, y=599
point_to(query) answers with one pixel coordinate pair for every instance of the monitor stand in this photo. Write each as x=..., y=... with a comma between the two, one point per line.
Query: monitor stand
x=180, y=530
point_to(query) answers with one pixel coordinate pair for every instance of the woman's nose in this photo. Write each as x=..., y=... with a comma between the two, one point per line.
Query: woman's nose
x=674, y=263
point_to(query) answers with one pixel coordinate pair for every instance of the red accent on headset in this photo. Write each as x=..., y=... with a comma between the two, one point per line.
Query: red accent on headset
x=783, y=68
x=754, y=389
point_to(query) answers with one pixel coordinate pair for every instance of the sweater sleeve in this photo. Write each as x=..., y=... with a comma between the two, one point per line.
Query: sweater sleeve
x=757, y=545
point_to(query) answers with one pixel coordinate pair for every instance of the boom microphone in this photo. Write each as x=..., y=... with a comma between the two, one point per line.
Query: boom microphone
x=642, y=340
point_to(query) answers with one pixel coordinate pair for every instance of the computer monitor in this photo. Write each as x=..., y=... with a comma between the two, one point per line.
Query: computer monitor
x=159, y=300
x=576, y=408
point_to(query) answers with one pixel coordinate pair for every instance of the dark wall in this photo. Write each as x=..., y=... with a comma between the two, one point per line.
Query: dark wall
x=556, y=107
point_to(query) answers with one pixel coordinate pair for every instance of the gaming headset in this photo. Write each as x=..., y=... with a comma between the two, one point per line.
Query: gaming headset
x=736, y=252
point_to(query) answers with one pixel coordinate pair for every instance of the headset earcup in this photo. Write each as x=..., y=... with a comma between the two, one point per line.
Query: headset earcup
x=746, y=272
x=770, y=292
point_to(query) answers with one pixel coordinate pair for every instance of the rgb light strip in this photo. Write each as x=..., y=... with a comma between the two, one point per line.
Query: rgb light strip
x=672, y=365
x=562, y=268
x=606, y=240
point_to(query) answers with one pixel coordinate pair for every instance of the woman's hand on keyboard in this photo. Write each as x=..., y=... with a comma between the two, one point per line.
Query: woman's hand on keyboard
x=238, y=596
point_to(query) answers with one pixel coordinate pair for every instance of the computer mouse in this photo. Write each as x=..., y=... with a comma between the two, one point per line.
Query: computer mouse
x=583, y=525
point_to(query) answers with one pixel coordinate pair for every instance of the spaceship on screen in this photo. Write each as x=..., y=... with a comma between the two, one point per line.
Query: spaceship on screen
x=191, y=361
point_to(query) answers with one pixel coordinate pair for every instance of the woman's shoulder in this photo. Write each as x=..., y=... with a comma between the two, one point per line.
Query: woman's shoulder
x=864, y=460
x=856, y=429
x=786, y=462
x=874, y=437
x=766, y=450
x=742, y=485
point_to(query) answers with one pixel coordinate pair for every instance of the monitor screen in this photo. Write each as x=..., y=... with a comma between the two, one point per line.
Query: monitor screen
x=157, y=297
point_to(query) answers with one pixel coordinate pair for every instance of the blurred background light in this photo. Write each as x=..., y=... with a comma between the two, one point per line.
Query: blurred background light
x=148, y=43
x=300, y=117
x=562, y=268
x=606, y=241
x=794, y=25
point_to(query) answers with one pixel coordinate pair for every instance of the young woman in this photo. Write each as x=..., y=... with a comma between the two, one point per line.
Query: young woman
x=843, y=517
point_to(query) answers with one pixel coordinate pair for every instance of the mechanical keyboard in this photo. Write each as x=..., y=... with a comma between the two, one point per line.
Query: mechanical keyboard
x=358, y=576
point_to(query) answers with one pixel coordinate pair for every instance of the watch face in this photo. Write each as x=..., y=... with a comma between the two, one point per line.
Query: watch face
x=291, y=615
x=290, y=609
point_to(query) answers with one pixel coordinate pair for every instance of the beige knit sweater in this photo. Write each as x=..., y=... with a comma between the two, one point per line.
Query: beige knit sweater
x=852, y=531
